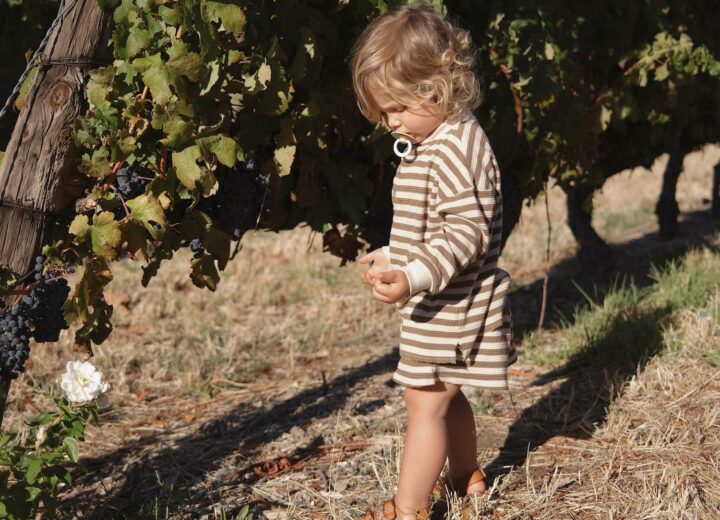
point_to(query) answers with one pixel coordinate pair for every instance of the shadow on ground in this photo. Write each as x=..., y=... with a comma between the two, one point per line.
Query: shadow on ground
x=236, y=437
x=597, y=375
x=594, y=377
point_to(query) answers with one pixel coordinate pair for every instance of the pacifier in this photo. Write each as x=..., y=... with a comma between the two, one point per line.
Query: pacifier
x=401, y=138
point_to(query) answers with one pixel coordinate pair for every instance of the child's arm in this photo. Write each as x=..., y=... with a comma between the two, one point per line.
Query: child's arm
x=467, y=212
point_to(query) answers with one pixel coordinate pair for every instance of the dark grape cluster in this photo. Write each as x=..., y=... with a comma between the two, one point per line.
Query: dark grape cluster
x=38, y=315
x=14, y=342
x=236, y=205
x=132, y=180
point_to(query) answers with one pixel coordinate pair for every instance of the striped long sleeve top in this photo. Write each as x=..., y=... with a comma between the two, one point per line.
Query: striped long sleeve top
x=446, y=231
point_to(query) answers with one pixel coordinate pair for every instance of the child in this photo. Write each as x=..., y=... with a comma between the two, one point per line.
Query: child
x=413, y=70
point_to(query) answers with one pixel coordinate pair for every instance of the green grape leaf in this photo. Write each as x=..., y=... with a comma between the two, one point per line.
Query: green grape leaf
x=52, y=252
x=146, y=209
x=169, y=15
x=186, y=166
x=97, y=328
x=157, y=76
x=232, y=16
x=7, y=281
x=93, y=275
x=285, y=151
x=176, y=120
x=179, y=132
x=105, y=235
x=127, y=69
x=80, y=227
x=96, y=166
x=135, y=236
x=222, y=146
x=204, y=273
x=234, y=56
x=138, y=40
x=183, y=62
x=193, y=15
x=100, y=86
x=259, y=81
x=284, y=157
x=124, y=12
x=208, y=183
x=27, y=84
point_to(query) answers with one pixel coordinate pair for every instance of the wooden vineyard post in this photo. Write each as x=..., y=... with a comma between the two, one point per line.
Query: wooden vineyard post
x=38, y=175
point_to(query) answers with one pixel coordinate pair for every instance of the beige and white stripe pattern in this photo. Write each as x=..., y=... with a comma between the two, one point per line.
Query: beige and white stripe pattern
x=446, y=231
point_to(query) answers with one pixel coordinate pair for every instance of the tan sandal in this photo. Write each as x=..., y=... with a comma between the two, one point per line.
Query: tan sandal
x=470, y=479
x=387, y=512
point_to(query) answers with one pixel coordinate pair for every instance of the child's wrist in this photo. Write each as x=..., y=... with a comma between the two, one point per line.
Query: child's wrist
x=418, y=277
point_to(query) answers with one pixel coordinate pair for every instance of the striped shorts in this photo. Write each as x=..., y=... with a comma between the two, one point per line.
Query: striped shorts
x=483, y=369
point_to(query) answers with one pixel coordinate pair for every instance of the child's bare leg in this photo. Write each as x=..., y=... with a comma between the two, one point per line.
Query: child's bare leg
x=426, y=445
x=462, y=451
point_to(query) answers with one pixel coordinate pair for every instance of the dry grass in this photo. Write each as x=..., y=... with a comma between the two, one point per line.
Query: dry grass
x=657, y=455
x=291, y=356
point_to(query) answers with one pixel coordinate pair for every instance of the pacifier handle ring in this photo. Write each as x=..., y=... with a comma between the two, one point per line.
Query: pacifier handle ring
x=408, y=149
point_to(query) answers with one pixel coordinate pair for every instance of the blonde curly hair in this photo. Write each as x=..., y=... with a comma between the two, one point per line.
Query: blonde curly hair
x=415, y=56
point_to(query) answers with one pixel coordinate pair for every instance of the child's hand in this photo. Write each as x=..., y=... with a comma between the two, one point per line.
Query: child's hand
x=391, y=286
x=378, y=264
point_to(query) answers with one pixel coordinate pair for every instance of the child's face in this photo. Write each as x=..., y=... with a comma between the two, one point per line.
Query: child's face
x=418, y=121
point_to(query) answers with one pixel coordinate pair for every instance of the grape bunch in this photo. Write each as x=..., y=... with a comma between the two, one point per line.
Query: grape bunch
x=14, y=342
x=236, y=205
x=132, y=180
x=38, y=315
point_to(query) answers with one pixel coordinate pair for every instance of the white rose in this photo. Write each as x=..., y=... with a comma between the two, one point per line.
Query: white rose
x=82, y=381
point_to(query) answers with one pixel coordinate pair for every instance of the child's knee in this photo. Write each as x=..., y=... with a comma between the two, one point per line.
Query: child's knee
x=431, y=401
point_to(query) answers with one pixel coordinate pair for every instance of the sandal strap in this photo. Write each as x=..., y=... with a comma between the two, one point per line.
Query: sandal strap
x=477, y=476
x=389, y=510
x=389, y=513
